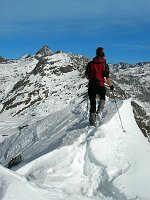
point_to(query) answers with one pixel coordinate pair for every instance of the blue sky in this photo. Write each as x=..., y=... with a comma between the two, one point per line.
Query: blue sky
x=79, y=26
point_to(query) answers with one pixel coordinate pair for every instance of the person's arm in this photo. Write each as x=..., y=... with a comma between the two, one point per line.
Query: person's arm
x=87, y=71
x=107, y=76
x=109, y=81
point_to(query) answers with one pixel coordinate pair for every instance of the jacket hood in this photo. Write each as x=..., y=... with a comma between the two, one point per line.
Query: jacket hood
x=99, y=59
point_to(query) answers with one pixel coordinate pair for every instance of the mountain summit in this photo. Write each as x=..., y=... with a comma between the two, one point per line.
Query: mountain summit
x=44, y=51
x=2, y=59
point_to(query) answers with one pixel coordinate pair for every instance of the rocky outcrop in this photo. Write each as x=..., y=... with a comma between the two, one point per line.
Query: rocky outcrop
x=43, y=52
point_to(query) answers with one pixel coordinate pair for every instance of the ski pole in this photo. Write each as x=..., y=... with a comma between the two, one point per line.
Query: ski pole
x=118, y=113
x=87, y=105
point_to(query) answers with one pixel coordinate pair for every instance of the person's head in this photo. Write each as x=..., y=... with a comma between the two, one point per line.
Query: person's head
x=100, y=52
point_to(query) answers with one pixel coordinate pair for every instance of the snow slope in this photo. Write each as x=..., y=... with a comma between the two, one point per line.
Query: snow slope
x=102, y=163
x=12, y=71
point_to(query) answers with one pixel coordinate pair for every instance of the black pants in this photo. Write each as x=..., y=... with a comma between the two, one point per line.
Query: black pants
x=92, y=91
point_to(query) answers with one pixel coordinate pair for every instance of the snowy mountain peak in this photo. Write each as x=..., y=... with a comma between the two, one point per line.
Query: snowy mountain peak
x=2, y=59
x=41, y=82
x=44, y=51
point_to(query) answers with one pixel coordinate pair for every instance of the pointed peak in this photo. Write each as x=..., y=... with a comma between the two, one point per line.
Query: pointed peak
x=2, y=59
x=44, y=51
x=46, y=47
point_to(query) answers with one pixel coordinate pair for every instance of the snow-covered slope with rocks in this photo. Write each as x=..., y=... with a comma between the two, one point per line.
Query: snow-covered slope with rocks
x=44, y=118
x=12, y=71
x=47, y=86
x=134, y=80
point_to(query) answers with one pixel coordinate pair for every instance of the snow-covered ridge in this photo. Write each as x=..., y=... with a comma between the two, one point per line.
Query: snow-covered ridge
x=100, y=163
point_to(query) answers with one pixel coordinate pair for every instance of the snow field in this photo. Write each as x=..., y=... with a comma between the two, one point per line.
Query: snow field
x=95, y=165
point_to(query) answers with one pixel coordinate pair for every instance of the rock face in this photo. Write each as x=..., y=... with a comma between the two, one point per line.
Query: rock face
x=2, y=59
x=142, y=119
x=43, y=52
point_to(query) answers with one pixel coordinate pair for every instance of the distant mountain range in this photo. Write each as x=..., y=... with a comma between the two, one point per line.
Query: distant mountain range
x=30, y=82
x=134, y=80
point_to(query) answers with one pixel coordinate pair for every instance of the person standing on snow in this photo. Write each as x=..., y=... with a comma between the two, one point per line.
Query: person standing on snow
x=97, y=71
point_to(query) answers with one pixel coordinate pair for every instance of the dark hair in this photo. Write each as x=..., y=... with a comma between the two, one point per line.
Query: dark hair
x=100, y=52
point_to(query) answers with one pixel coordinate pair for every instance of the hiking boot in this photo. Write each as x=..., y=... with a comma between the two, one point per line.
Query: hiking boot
x=92, y=119
x=100, y=106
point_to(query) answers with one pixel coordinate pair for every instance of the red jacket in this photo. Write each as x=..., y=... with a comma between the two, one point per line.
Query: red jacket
x=96, y=70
